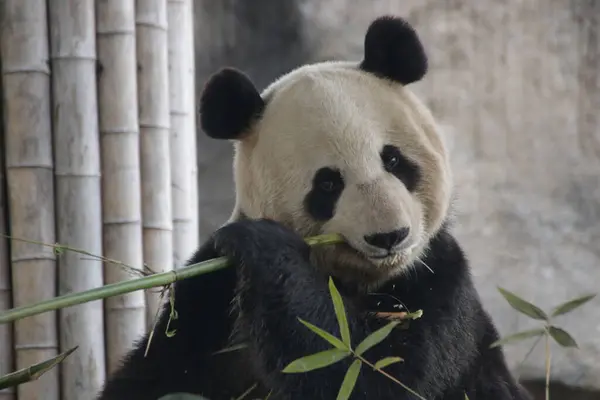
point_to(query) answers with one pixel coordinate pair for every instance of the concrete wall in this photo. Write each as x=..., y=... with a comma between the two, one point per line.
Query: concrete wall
x=516, y=86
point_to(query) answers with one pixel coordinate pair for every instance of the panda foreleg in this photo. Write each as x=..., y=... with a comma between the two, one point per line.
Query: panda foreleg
x=276, y=286
x=181, y=362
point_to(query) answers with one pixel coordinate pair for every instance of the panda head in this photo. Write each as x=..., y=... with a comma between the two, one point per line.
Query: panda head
x=340, y=147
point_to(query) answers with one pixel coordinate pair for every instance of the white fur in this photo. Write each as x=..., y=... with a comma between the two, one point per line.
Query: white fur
x=334, y=114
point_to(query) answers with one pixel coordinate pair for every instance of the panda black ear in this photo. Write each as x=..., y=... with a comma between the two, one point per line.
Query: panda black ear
x=229, y=104
x=394, y=51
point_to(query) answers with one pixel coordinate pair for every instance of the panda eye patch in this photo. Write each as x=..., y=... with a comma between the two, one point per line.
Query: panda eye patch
x=327, y=186
x=401, y=167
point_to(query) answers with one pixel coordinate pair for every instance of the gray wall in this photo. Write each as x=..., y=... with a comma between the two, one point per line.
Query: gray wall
x=516, y=87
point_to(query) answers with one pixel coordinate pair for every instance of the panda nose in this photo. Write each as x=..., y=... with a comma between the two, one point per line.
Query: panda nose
x=387, y=240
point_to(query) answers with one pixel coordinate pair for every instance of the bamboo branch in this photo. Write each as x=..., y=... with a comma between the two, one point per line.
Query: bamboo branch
x=155, y=280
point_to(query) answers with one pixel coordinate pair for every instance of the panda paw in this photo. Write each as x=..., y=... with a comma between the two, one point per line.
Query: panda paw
x=260, y=244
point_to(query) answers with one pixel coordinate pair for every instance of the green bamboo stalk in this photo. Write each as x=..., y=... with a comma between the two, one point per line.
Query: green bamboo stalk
x=33, y=372
x=147, y=282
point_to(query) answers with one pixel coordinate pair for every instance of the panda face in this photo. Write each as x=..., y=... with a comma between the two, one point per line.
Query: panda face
x=340, y=147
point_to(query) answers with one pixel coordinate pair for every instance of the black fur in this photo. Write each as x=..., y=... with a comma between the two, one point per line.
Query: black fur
x=403, y=168
x=270, y=285
x=327, y=187
x=394, y=51
x=229, y=104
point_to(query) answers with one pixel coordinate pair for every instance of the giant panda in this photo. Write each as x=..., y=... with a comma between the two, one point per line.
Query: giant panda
x=333, y=147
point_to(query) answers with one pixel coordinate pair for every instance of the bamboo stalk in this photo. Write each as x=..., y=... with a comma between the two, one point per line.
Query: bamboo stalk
x=78, y=196
x=183, y=133
x=30, y=189
x=6, y=340
x=151, y=281
x=121, y=202
x=32, y=372
x=153, y=97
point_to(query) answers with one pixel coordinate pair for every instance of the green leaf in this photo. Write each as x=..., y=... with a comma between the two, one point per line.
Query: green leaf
x=316, y=361
x=340, y=312
x=562, y=337
x=349, y=380
x=466, y=396
x=384, y=362
x=523, y=306
x=515, y=337
x=571, y=305
x=337, y=343
x=34, y=371
x=375, y=337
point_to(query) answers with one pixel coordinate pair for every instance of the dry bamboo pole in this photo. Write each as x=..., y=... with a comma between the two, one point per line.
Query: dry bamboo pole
x=153, y=98
x=78, y=198
x=30, y=188
x=183, y=133
x=6, y=342
x=121, y=199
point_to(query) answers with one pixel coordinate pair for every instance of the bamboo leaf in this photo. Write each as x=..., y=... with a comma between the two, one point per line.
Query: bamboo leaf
x=571, y=305
x=523, y=306
x=340, y=312
x=375, y=337
x=515, y=337
x=337, y=343
x=387, y=361
x=316, y=361
x=349, y=380
x=562, y=337
x=34, y=371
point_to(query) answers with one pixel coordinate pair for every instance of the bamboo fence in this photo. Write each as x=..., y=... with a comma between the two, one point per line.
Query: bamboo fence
x=98, y=154
x=6, y=356
x=183, y=133
x=121, y=197
x=155, y=159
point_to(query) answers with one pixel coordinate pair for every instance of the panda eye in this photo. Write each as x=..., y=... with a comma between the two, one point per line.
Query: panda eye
x=327, y=186
x=328, y=180
x=390, y=162
x=404, y=169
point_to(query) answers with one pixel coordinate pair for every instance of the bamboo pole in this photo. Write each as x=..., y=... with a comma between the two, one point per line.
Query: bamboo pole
x=153, y=97
x=121, y=202
x=6, y=340
x=30, y=189
x=78, y=199
x=183, y=134
x=131, y=285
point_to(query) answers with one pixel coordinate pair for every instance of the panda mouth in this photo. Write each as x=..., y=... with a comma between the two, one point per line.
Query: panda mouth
x=381, y=256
